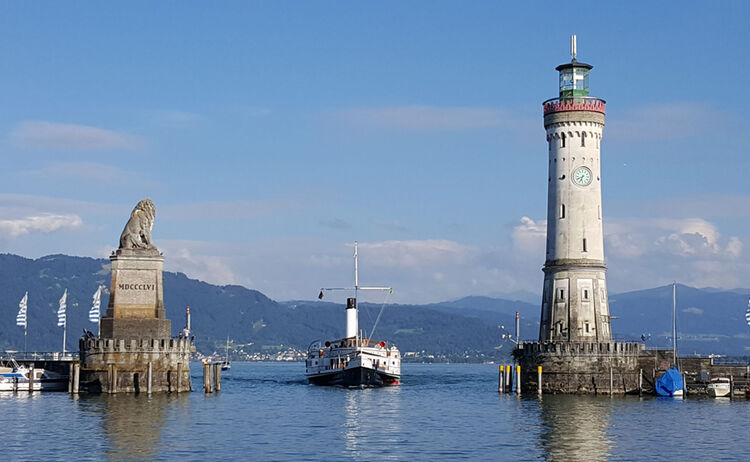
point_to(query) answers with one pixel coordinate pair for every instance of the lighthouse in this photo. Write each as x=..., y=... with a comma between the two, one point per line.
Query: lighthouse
x=574, y=300
x=576, y=352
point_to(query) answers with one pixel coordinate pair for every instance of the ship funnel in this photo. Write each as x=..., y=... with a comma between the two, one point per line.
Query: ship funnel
x=352, y=320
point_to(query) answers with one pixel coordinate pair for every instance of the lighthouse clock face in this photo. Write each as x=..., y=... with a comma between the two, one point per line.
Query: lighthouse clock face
x=582, y=176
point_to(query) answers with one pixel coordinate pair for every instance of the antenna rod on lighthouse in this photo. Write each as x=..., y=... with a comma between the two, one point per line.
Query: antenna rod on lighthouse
x=573, y=47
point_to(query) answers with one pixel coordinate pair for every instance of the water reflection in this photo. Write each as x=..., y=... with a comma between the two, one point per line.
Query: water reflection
x=372, y=425
x=132, y=423
x=575, y=427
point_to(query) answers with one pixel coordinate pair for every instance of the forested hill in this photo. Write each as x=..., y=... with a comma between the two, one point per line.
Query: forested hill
x=709, y=320
x=244, y=315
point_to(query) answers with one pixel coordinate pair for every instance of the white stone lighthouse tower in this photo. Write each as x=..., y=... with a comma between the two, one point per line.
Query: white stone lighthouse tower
x=574, y=301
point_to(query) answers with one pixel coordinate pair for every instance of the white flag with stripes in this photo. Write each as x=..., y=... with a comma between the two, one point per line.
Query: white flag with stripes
x=21, y=317
x=61, y=318
x=97, y=303
x=747, y=313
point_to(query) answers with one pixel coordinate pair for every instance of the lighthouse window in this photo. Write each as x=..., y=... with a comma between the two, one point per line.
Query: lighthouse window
x=583, y=139
x=585, y=295
x=586, y=325
x=562, y=140
x=584, y=245
x=560, y=294
x=562, y=210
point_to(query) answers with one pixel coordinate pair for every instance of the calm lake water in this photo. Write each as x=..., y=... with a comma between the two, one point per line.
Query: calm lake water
x=266, y=411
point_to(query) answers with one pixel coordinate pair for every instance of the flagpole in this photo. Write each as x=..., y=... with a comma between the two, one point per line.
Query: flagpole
x=62, y=316
x=26, y=327
x=22, y=319
x=99, y=324
x=95, y=313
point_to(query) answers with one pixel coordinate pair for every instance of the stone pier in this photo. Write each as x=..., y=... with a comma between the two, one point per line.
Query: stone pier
x=580, y=367
x=121, y=366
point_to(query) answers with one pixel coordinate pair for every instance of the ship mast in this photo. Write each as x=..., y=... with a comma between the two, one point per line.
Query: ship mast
x=674, y=323
x=352, y=311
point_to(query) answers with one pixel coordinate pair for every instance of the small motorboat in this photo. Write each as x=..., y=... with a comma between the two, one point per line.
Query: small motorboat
x=719, y=387
x=16, y=378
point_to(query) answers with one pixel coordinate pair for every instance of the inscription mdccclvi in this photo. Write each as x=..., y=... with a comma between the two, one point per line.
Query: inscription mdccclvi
x=136, y=286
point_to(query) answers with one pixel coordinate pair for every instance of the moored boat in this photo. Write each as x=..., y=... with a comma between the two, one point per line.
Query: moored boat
x=672, y=383
x=719, y=387
x=17, y=378
x=225, y=365
x=354, y=360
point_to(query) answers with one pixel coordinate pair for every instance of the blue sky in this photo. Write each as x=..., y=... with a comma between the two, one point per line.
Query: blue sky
x=271, y=135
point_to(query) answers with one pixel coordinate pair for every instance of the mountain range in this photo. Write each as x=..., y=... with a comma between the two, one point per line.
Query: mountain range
x=709, y=320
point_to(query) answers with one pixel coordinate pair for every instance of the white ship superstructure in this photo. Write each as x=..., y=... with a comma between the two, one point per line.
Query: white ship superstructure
x=353, y=360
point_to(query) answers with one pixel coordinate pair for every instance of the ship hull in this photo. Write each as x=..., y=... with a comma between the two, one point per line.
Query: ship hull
x=354, y=377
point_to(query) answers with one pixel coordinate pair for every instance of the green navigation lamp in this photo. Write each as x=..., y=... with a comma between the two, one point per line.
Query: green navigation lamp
x=574, y=76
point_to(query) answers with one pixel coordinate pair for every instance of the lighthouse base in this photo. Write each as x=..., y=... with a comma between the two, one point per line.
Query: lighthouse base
x=580, y=368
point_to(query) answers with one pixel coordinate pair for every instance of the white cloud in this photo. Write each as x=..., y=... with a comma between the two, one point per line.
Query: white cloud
x=217, y=210
x=530, y=237
x=734, y=247
x=392, y=226
x=17, y=202
x=650, y=252
x=198, y=260
x=416, y=253
x=690, y=237
x=644, y=253
x=336, y=223
x=705, y=206
x=686, y=237
x=90, y=171
x=47, y=223
x=666, y=121
x=423, y=117
x=53, y=135
x=693, y=310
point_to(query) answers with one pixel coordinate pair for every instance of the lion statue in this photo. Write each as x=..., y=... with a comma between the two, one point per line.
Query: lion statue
x=137, y=232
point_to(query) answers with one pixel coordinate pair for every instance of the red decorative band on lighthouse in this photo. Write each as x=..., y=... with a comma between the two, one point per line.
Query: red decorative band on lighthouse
x=574, y=104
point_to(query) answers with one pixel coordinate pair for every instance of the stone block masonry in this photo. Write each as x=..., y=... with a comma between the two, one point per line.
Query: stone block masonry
x=136, y=302
x=578, y=367
x=121, y=366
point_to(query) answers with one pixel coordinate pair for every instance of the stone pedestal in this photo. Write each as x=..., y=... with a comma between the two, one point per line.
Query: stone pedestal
x=577, y=367
x=135, y=352
x=136, y=301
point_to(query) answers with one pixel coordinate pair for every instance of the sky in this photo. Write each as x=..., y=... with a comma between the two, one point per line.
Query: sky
x=272, y=135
